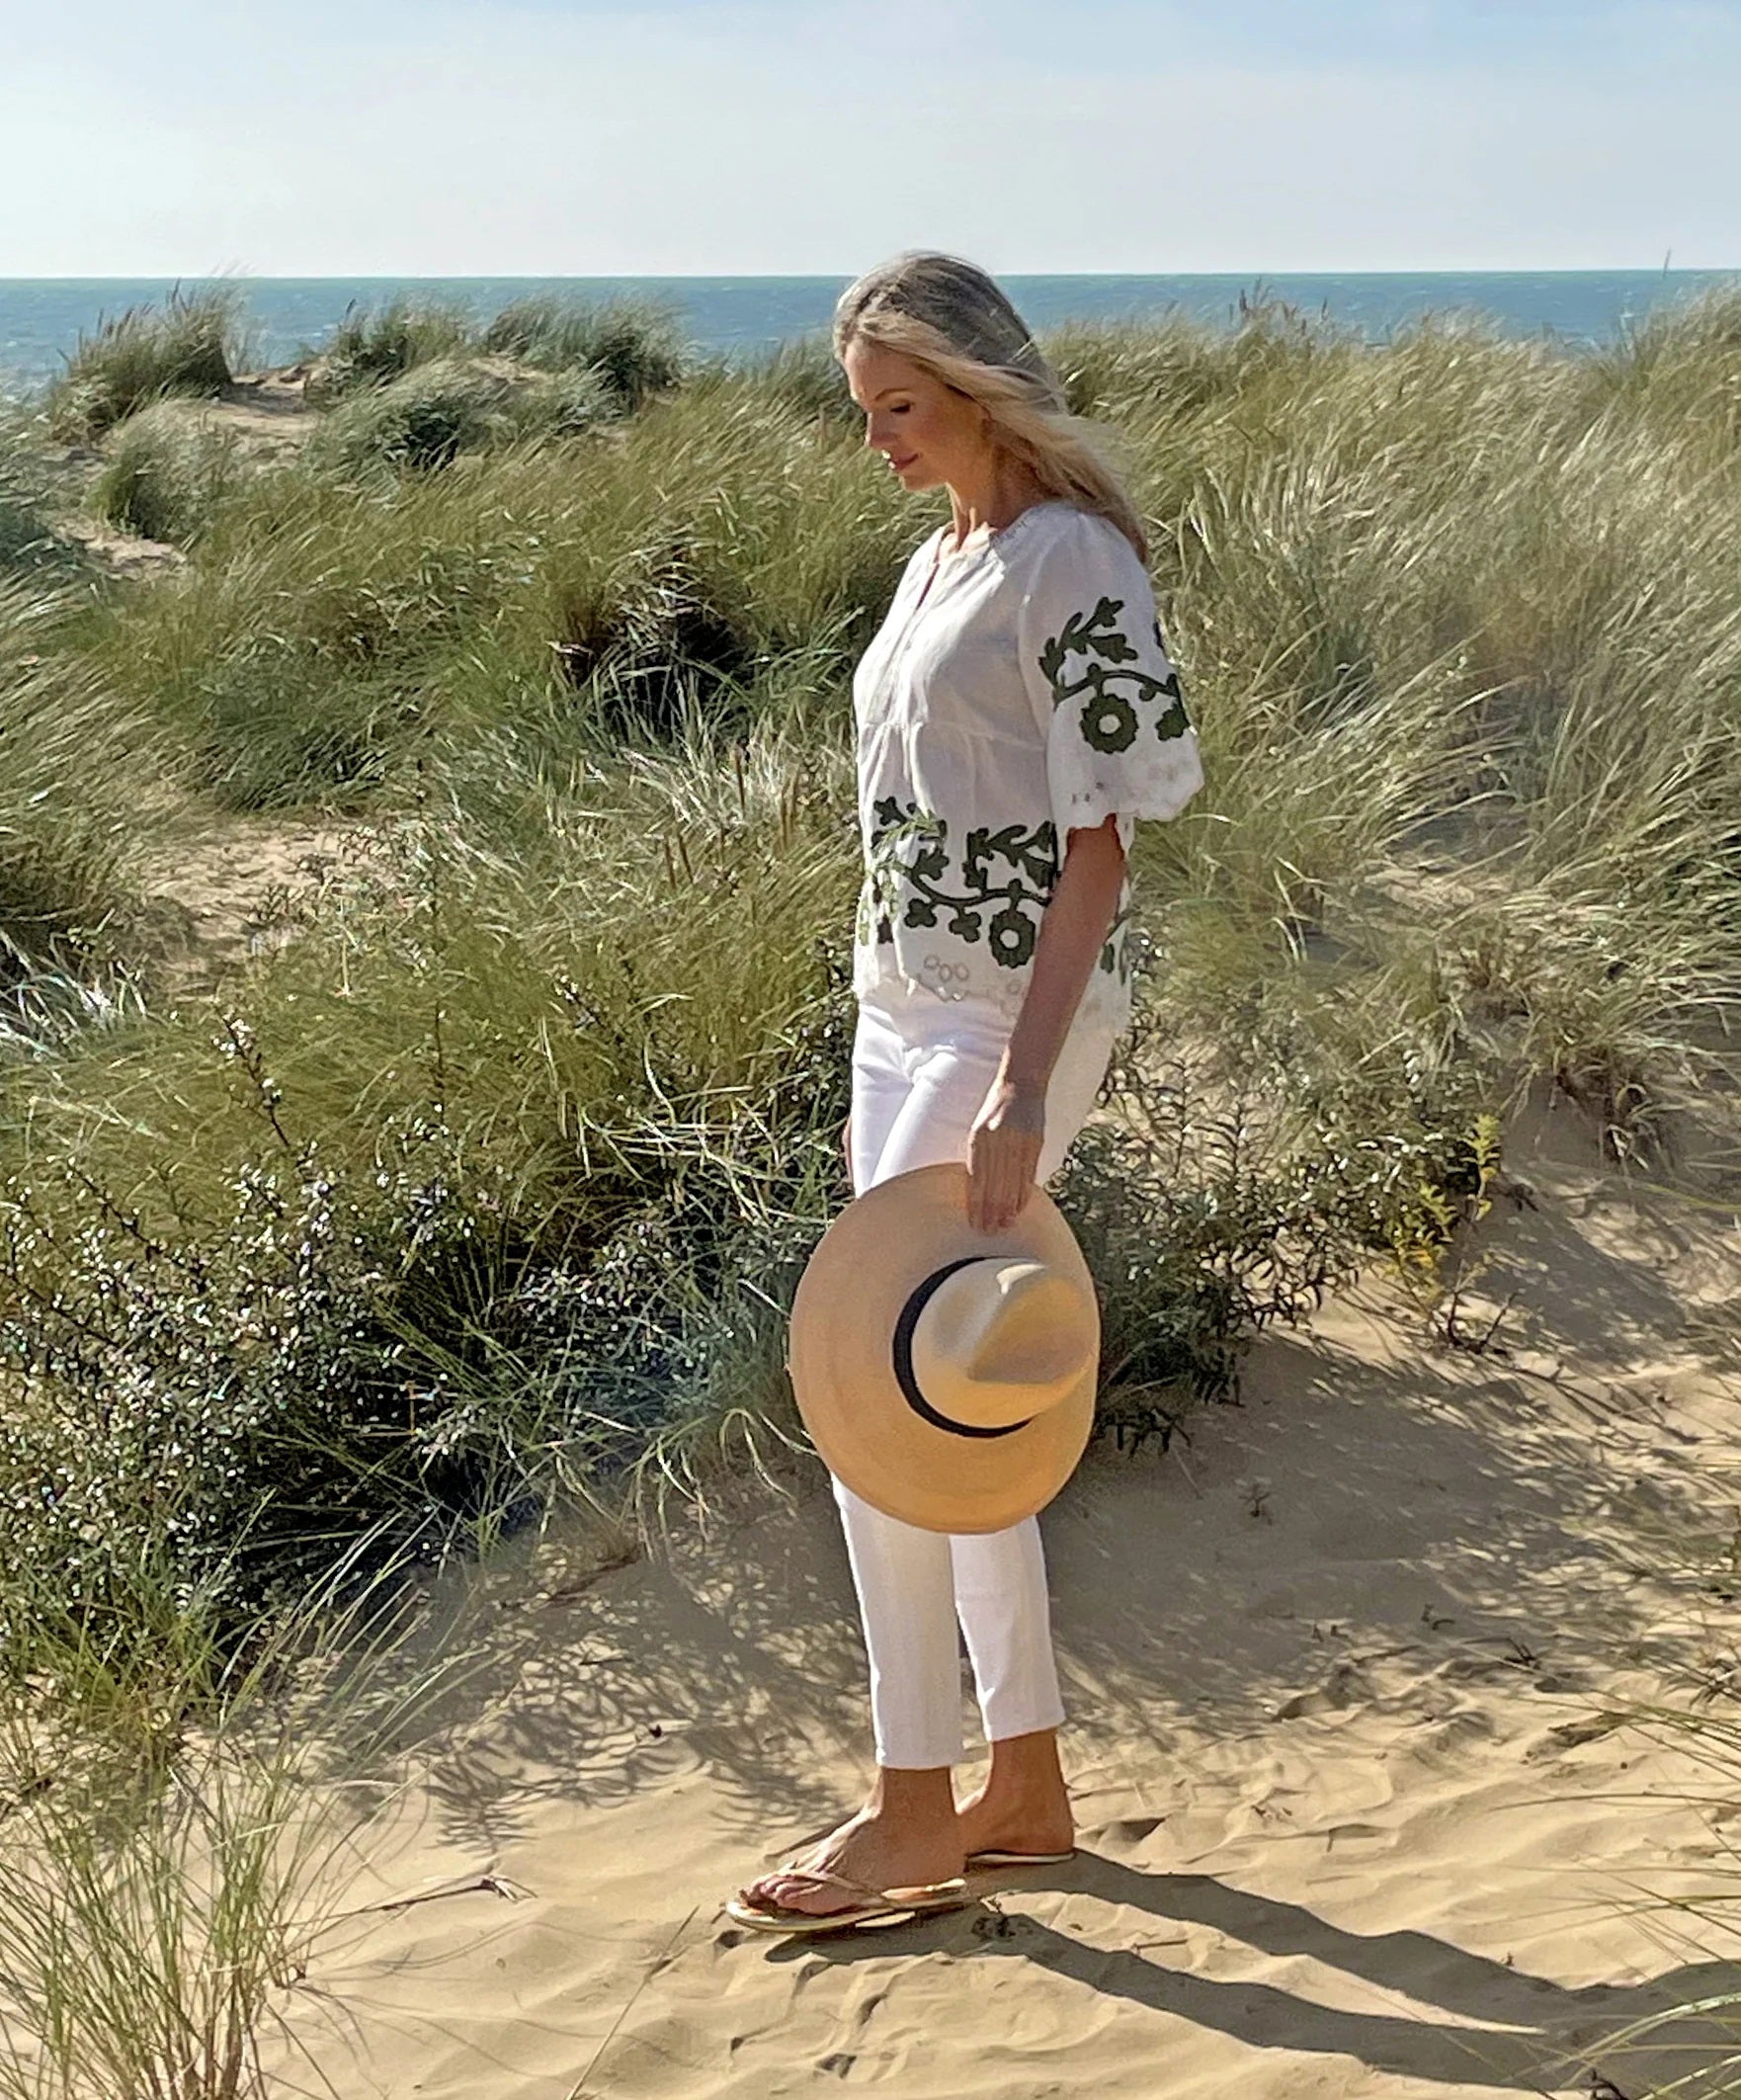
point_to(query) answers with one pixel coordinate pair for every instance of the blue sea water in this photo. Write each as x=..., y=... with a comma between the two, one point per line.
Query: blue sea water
x=42, y=318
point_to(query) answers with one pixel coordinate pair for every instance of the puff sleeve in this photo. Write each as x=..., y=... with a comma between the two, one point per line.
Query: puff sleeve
x=1104, y=691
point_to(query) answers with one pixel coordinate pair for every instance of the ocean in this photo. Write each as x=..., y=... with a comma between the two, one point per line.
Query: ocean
x=737, y=317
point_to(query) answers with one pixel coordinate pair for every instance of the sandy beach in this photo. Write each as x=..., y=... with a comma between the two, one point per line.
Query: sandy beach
x=1356, y=1813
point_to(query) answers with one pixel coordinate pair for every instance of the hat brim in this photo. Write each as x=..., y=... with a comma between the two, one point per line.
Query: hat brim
x=841, y=1359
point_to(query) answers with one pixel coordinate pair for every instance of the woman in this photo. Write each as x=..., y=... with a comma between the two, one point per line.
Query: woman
x=1015, y=714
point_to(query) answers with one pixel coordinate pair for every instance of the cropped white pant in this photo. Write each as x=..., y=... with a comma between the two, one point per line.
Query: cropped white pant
x=922, y=1066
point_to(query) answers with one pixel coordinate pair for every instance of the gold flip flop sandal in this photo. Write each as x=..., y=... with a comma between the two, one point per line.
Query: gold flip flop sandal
x=872, y=1904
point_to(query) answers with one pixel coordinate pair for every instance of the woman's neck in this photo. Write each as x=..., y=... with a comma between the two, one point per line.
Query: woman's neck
x=996, y=499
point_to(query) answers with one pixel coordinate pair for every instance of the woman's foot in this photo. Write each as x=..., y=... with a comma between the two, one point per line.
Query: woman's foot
x=904, y=1837
x=1024, y=1805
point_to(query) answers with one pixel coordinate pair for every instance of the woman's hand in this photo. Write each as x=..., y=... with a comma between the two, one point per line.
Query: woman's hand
x=1003, y=1150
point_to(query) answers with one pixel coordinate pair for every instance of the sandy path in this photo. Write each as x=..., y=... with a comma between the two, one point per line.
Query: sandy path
x=236, y=888
x=1354, y=1821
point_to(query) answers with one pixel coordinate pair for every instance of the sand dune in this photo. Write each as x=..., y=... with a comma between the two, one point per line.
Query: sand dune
x=1357, y=1817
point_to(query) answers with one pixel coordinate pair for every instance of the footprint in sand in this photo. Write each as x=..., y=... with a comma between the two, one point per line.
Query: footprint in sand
x=1125, y=1835
x=1346, y=1686
x=1348, y=1834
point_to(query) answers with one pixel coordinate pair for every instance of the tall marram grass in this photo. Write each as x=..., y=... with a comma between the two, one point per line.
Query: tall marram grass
x=370, y=347
x=167, y=1887
x=164, y=473
x=630, y=345
x=29, y=541
x=1457, y=622
x=425, y=419
x=330, y=623
x=85, y=779
x=144, y=354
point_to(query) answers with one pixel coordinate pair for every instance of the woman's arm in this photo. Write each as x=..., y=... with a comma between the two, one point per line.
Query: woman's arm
x=1072, y=932
x=1004, y=1146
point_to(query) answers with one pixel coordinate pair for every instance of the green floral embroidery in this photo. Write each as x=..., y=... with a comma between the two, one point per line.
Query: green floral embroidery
x=1173, y=721
x=1034, y=853
x=1109, y=723
x=1112, y=691
x=915, y=886
x=907, y=870
x=880, y=898
x=1108, y=718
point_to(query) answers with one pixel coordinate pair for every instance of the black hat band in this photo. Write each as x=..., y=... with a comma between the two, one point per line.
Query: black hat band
x=903, y=1358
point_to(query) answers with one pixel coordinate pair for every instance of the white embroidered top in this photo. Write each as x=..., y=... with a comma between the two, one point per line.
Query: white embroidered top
x=1019, y=688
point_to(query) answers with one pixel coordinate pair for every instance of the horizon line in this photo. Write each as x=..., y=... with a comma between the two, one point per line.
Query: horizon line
x=118, y=276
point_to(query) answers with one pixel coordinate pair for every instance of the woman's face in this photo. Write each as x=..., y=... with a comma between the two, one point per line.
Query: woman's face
x=929, y=433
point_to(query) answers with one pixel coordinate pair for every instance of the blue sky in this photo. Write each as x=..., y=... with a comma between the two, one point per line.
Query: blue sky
x=569, y=136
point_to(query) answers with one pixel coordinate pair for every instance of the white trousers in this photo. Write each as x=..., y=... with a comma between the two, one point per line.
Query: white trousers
x=922, y=1066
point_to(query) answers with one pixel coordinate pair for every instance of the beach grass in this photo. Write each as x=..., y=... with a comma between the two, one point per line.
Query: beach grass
x=374, y=345
x=630, y=345
x=29, y=544
x=187, y=345
x=163, y=473
x=489, y=1189
x=424, y=419
x=84, y=783
x=633, y=344
x=179, y=1843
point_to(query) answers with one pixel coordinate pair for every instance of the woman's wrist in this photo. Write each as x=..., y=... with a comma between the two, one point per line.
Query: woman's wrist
x=1023, y=1077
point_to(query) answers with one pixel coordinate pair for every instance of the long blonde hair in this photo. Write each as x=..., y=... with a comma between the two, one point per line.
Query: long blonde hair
x=950, y=317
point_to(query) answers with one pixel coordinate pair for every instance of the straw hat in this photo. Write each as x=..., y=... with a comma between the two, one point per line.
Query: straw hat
x=946, y=1376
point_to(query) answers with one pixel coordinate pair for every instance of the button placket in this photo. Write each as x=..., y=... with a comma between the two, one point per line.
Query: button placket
x=946, y=980
x=898, y=645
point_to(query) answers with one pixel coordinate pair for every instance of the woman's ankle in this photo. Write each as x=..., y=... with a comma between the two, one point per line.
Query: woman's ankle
x=1027, y=1767
x=920, y=1800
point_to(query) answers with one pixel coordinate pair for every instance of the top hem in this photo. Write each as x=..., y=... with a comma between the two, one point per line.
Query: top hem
x=1112, y=1007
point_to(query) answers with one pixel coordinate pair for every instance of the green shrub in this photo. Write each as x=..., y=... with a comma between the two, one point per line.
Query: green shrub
x=140, y=356
x=425, y=419
x=213, y=1401
x=1206, y=1217
x=369, y=347
x=216, y=1418
x=633, y=344
x=165, y=474
x=86, y=776
x=29, y=545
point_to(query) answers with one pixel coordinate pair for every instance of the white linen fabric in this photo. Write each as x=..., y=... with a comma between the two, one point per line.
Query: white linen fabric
x=921, y=1072
x=1019, y=688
